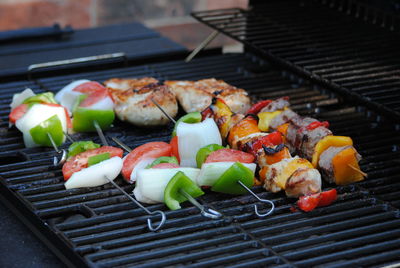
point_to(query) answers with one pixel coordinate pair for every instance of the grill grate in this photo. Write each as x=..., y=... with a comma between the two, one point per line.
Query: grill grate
x=102, y=228
x=334, y=49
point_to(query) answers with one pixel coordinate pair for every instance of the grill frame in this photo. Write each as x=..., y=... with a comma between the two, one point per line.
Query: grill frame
x=251, y=78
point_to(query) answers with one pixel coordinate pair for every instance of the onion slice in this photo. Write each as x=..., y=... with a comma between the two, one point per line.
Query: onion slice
x=19, y=98
x=193, y=137
x=142, y=164
x=68, y=88
x=151, y=183
x=95, y=175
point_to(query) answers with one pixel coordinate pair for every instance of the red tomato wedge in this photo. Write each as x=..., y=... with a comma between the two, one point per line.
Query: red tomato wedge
x=80, y=161
x=18, y=112
x=148, y=150
x=230, y=155
x=175, y=148
x=95, y=92
x=309, y=202
x=166, y=165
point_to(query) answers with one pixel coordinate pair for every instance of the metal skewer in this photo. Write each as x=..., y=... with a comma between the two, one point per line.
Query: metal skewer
x=61, y=152
x=164, y=112
x=205, y=211
x=259, y=199
x=202, y=45
x=149, y=221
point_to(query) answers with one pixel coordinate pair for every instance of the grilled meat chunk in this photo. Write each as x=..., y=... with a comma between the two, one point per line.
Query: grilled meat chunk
x=282, y=118
x=303, y=182
x=276, y=105
x=133, y=103
x=197, y=95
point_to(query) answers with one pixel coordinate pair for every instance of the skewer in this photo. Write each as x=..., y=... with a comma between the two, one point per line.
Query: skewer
x=100, y=133
x=63, y=153
x=202, y=45
x=205, y=211
x=164, y=112
x=358, y=170
x=151, y=213
x=244, y=186
x=259, y=199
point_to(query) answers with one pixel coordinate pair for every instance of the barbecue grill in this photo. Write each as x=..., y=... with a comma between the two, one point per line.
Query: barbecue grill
x=329, y=58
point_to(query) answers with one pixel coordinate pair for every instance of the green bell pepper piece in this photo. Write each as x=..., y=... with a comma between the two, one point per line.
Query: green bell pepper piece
x=172, y=194
x=83, y=119
x=190, y=118
x=81, y=146
x=163, y=159
x=95, y=159
x=47, y=97
x=50, y=126
x=204, y=152
x=227, y=183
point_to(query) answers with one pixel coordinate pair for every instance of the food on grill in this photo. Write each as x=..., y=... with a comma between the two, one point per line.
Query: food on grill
x=204, y=152
x=212, y=171
x=19, y=98
x=151, y=183
x=159, y=162
x=41, y=123
x=228, y=183
x=133, y=100
x=335, y=156
x=190, y=118
x=193, y=137
x=89, y=103
x=173, y=194
x=82, y=160
x=309, y=202
x=90, y=165
x=197, y=95
x=142, y=156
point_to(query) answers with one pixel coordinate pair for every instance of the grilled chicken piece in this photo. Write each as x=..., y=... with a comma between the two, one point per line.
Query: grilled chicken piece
x=282, y=118
x=303, y=182
x=197, y=95
x=133, y=103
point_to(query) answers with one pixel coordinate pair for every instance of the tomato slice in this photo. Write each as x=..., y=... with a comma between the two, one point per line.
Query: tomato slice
x=166, y=165
x=175, y=148
x=95, y=92
x=18, y=112
x=80, y=161
x=327, y=198
x=148, y=150
x=309, y=202
x=229, y=155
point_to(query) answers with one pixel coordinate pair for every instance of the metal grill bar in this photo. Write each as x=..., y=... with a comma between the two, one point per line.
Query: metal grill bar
x=336, y=50
x=104, y=229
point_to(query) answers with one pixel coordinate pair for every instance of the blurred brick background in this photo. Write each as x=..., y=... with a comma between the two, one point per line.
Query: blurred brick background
x=170, y=17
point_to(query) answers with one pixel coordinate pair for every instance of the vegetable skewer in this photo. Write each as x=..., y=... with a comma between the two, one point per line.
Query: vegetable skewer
x=150, y=224
x=228, y=178
x=204, y=210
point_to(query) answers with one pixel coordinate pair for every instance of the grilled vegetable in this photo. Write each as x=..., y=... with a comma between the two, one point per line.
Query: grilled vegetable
x=256, y=108
x=96, y=174
x=80, y=147
x=329, y=141
x=245, y=127
x=163, y=160
x=204, y=152
x=211, y=172
x=228, y=182
x=172, y=193
x=308, y=203
x=192, y=137
x=190, y=118
x=151, y=183
x=80, y=161
x=19, y=98
x=265, y=119
x=147, y=152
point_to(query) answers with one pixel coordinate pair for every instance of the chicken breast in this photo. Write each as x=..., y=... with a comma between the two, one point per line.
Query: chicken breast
x=303, y=182
x=197, y=95
x=133, y=103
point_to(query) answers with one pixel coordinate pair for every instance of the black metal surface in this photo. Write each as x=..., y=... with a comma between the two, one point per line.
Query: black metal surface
x=342, y=45
x=100, y=227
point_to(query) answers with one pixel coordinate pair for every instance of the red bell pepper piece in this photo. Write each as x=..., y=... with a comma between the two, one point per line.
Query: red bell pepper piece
x=309, y=202
x=272, y=139
x=316, y=124
x=256, y=108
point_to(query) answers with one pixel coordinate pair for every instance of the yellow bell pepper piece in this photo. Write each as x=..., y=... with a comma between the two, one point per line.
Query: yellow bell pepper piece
x=222, y=116
x=265, y=119
x=345, y=166
x=329, y=141
x=293, y=165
